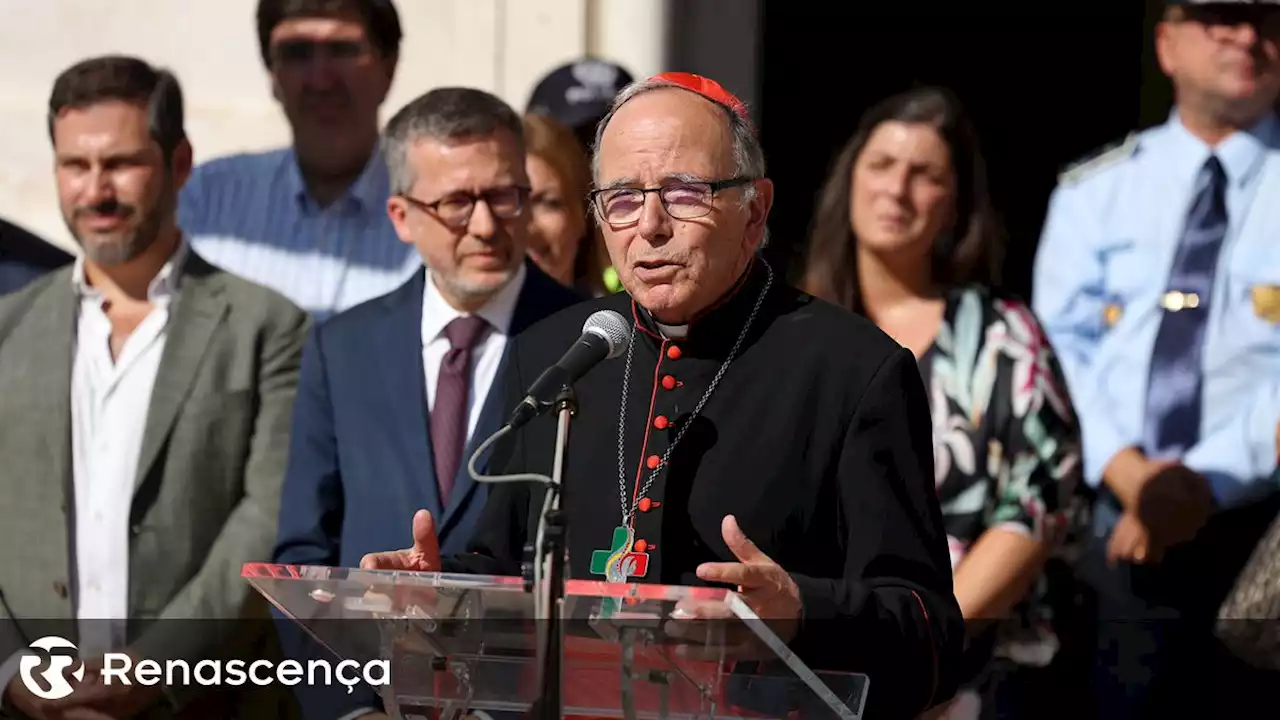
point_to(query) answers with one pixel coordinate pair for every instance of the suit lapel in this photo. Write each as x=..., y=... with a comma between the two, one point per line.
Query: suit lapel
x=197, y=311
x=406, y=388
x=530, y=308
x=54, y=379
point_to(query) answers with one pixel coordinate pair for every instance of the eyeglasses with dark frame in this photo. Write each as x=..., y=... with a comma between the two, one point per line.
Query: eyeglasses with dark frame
x=686, y=200
x=455, y=209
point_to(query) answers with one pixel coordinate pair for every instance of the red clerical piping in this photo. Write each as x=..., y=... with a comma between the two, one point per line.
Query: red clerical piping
x=933, y=688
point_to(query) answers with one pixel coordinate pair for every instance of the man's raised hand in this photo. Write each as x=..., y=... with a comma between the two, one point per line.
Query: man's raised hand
x=764, y=585
x=424, y=556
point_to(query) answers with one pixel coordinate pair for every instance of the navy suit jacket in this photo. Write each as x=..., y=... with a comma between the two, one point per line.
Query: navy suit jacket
x=25, y=257
x=360, y=461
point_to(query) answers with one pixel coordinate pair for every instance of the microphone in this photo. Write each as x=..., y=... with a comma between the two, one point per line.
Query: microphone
x=604, y=336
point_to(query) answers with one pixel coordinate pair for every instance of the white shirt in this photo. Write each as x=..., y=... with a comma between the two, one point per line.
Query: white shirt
x=486, y=356
x=109, y=402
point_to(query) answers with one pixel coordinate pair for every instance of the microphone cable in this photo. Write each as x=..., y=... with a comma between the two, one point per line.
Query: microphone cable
x=517, y=477
x=544, y=480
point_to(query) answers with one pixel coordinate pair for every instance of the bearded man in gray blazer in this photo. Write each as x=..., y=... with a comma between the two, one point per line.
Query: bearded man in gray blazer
x=145, y=398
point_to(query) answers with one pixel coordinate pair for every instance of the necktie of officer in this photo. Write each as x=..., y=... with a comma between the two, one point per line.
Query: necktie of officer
x=1175, y=383
x=449, y=411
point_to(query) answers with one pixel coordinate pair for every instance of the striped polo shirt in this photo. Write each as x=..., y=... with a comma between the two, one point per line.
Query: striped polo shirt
x=251, y=215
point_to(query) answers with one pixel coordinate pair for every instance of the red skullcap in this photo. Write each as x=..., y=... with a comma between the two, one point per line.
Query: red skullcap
x=707, y=88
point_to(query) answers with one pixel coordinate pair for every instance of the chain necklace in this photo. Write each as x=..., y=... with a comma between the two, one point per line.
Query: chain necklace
x=629, y=512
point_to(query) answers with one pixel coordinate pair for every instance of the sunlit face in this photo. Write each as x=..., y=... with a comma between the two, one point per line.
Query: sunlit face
x=115, y=190
x=330, y=79
x=470, y=258
x=1223, y=56
x=557, y=222
x=676, y=268
x=903, y=190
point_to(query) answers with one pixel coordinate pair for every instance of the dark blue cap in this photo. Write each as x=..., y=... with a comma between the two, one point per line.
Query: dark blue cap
x=579, y=93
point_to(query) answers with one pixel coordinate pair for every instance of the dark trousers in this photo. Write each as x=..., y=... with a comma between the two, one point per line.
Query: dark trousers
x=1155, y=654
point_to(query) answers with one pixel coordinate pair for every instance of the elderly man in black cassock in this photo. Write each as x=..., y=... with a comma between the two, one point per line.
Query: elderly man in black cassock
x=750, y=435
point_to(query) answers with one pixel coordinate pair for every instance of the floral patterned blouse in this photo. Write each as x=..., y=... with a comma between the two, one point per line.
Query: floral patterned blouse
x=1006, y=443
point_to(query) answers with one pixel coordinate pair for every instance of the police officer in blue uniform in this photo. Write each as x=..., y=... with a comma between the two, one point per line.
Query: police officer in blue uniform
x=1158, y=281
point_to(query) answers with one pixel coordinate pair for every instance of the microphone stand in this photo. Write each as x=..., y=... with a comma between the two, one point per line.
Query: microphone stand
x=552, y=555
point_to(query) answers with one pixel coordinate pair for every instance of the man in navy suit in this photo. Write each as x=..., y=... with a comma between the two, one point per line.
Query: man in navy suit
x=25, y=257
x=397, y=392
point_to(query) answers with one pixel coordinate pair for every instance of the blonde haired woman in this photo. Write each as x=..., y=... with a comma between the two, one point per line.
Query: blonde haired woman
x=562, y=240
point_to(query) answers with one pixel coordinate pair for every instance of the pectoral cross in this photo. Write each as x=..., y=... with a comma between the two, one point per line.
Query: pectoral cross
x=619, y=562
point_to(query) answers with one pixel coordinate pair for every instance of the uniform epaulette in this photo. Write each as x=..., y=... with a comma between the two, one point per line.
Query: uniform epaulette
x=1104, y=157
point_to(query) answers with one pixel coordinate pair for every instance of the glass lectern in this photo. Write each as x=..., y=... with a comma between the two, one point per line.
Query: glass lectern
x=462, y=643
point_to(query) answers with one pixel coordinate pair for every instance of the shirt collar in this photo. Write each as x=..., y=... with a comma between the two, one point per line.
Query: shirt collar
x=437, y=312
x=162, y=287
x=673, y=332
x=1241, y=153
x=368, y=193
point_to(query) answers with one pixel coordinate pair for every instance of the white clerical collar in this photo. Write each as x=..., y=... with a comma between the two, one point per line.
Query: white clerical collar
x=673, y=332
x=437, y=312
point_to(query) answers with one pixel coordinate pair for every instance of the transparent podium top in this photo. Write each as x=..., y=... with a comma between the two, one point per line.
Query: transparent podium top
x=470, y=642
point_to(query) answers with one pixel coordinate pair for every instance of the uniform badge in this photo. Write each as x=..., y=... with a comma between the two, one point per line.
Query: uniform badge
x=1266, y=302
x=1111, y=314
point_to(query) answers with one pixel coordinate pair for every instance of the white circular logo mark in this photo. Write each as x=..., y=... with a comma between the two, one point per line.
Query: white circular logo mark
x=53, y=675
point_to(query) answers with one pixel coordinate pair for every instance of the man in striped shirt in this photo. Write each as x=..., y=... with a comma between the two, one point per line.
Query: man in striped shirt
x=310, y=221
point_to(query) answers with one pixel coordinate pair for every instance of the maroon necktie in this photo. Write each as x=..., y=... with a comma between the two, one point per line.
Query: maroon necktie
x=449, y=411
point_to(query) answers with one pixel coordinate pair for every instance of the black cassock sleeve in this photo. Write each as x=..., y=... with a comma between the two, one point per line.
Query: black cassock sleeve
x=497, y=542
x=893, y=616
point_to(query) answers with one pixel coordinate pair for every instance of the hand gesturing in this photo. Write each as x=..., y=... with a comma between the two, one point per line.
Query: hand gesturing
x=762, y=584
x=424, y=556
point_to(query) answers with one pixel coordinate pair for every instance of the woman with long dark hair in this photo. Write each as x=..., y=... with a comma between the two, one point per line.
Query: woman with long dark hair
x=905, y=234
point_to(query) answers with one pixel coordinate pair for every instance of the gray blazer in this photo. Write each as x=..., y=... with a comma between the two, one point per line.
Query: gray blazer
x=207, y=492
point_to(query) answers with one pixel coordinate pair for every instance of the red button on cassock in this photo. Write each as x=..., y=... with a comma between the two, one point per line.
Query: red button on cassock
x=673, y=352
x=669, y=382
x=641, y=546
x=661, y=422
x=644, y=504
x=653, y=461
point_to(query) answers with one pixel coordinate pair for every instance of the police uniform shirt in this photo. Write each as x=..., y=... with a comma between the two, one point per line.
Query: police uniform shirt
x=817, y=439
x=1100, y=285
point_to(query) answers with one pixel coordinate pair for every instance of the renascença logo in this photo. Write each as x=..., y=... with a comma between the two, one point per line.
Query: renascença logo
x=53, y=676
x=119, y=668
